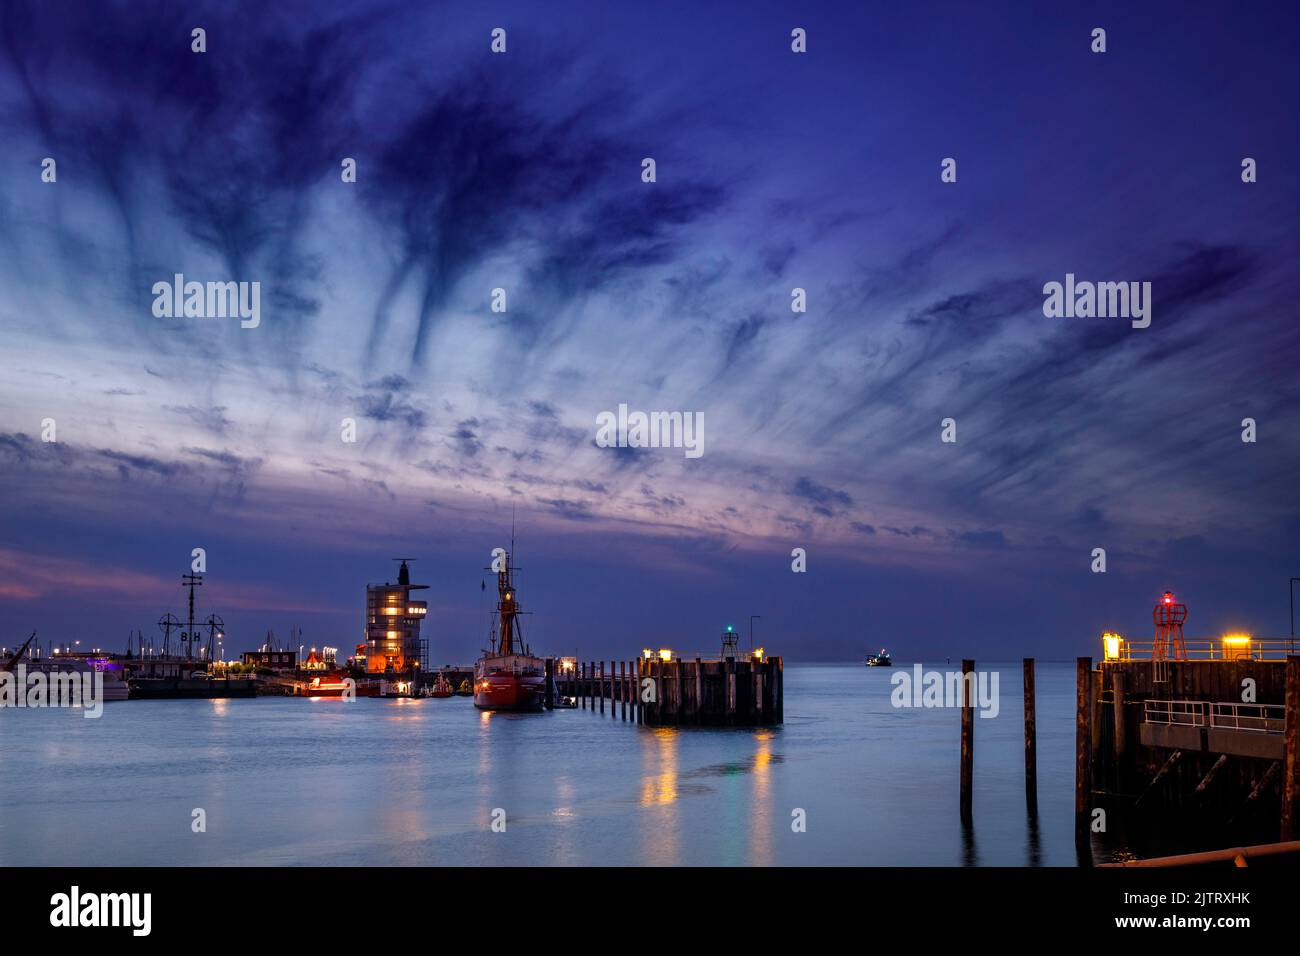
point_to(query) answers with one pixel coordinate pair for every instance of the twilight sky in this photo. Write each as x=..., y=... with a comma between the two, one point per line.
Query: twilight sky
x=775, y=170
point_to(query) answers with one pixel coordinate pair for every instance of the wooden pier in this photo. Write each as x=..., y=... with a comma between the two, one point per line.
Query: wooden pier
x=654, y=692
x=1208, y=744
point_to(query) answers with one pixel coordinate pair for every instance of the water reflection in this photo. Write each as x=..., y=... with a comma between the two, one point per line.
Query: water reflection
x=760, y=832
x=1035, y=841
x=969, y=852
x=659, y=756
x=659, y=790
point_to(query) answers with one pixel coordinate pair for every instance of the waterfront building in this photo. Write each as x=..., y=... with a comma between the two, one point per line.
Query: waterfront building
x=393, y=641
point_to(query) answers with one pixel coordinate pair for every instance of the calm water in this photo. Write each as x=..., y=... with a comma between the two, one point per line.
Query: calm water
x=288, y=781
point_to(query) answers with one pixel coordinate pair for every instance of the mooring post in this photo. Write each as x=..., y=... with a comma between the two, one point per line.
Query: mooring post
x=602, y=687
x=550, y=683
x=1121, y=729
x=967, y=738
x=1291, y=763
x=582, y=685
x=699, y=691
x=1082, y=749
x=1031, y=740
x=780, y=691
x=622, y=686
x=635, y=686
x=677, y=690
x=655, y=712
x=729, y=689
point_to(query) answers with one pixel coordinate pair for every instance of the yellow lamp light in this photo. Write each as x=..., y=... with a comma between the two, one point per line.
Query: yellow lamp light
x=665, y=654
x=647, y=653
x=1236, y=647
x=1112, y=644
x=758, y=653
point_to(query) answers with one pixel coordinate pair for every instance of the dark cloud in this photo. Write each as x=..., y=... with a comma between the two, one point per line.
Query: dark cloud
x=568, y=508
x=994, y=540
x=822, y=496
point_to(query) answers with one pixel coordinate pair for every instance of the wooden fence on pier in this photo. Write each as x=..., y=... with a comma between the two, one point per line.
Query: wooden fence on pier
x=728, y=692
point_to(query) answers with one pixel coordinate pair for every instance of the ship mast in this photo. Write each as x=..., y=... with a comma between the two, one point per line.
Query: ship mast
x=507, y=607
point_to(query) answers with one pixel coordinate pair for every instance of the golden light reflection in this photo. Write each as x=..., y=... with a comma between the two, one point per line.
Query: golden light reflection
x=659, y=792
x=760, y=830
x=221, y=706
x=660, y=786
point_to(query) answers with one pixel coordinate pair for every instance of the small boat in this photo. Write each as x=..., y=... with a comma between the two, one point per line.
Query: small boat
x=329, y=685
x=880, y=660
x=466, y=689
x=562, y=701
x=441, y=687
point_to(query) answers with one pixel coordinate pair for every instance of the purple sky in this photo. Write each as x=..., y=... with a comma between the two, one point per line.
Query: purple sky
x=775, y=170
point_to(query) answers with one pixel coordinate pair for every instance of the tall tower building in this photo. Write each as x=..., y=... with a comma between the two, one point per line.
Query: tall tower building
x=393, y=624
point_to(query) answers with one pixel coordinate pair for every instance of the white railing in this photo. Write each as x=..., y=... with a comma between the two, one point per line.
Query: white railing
x=1259, y=718
x=1188, y=713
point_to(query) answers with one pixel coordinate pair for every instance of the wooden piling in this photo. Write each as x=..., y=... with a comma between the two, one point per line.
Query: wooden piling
x=622, y=686
x=1291, y=748
x=1120, y=731
x=677, y=691
x=967, y=739
x=780, y=690
x=1031, y=738
x=602, y=687
x=640, y=701
x=1214, y=772
x=700, y=691
x=550, y=683
x=1082, y=749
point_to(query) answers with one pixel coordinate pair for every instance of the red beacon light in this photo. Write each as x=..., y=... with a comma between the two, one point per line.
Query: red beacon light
x=1169, y=619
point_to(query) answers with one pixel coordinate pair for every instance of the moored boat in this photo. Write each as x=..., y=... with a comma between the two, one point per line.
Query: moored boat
x=441, y=687
x=328, y=685
x=508, y=676
x=880, y=660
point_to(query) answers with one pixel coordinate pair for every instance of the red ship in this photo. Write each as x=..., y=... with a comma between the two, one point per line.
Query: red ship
x=508, y=676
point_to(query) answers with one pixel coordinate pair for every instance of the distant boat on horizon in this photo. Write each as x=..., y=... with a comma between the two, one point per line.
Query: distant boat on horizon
x=880, y=660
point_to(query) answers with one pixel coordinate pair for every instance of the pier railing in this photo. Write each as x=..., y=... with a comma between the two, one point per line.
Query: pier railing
x=1260, y=718
x=1211, y=649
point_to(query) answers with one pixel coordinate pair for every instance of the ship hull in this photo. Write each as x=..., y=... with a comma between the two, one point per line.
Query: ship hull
x=509, y=692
